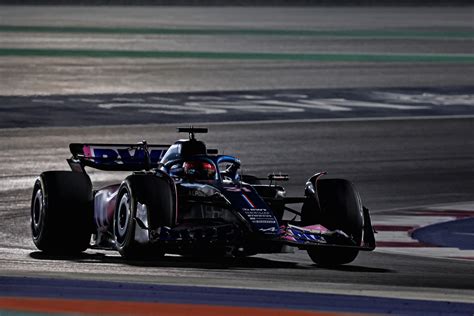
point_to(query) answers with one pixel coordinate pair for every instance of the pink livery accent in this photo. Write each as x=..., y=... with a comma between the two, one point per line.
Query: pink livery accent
x=318, y=229
x=288, y=237
x=87, y=151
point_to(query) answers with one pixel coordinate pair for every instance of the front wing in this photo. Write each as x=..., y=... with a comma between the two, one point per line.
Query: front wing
x=208, y=235
x=319, y=236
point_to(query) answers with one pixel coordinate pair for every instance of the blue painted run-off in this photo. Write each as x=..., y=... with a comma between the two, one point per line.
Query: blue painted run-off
x=114, y=291
x=457, y=234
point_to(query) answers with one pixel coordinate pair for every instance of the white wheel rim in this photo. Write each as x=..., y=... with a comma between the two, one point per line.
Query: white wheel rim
x=123, y=215
x=38, y=211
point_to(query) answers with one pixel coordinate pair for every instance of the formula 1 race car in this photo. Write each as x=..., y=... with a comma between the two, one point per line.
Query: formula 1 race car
x=187, y=199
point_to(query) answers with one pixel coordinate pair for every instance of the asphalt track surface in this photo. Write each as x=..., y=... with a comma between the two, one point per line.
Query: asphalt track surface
x=395, y=163
x=405, y=173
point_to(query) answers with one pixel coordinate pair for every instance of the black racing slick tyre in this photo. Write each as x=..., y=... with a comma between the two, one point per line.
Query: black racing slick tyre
x=62, y=212
x=159, y=198
x=341, y=209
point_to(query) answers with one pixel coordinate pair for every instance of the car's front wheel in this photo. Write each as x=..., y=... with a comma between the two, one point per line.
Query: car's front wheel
x=156, y=195
x=340, y=209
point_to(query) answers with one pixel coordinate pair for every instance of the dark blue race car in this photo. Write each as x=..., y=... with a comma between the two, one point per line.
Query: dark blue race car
x=187, y=199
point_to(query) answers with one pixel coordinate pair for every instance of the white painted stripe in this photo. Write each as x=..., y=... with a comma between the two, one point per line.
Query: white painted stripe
x=366, y=104
x=198, y=98
x=307, y=104
x=127, y=99
x=394, y=236
x=414, y=220
x=243, y=106
x=158, y=108
x=437, y=99
x=435, y=252
x=86, y=100
x=441, y=207
x=463, y=206
x=47, y=101
x=246, y=97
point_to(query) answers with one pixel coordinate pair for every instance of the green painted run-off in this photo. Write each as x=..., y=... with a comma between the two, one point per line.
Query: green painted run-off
x=321, y=57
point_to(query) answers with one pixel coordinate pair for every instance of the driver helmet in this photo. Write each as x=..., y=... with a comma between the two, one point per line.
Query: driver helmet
x=199, y=170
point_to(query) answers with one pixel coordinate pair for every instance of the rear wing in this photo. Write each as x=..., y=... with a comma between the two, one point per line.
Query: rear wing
x=116, y=157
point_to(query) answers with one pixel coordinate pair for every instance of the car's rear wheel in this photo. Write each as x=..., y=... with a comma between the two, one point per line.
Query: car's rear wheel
x=340, y=209
x=157, y=196
x=61, y=212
